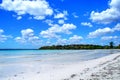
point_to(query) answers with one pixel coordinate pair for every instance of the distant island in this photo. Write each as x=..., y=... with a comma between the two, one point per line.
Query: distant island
x=79, y=46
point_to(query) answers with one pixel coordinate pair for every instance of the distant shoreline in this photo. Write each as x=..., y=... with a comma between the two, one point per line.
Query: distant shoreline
x=79, y=47
x=55, y=49
x=18, y=49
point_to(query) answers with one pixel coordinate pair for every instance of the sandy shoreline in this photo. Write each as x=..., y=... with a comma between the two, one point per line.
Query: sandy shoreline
x=105, y=68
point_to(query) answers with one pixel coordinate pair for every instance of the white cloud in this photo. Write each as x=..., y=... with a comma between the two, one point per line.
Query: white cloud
x=66, y=28
x=117, y=27
x=61, y=21
x=34, y=40
x=61, y=15
x=100, y=32
x=20, y=39
x=3, y=37
x=87, y=24
x=61, y=41
x=49, y=22
x=74, y=15
x=75, y=39
x=27, y=33
x=27, y=36
x=1, y=31
x=19, y=17
x=55, y=30
x=51, y=32
x=38, y=9
x=109, y=37
x=109, y=15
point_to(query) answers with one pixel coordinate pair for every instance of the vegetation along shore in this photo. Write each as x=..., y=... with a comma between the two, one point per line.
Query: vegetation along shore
x=80, y=46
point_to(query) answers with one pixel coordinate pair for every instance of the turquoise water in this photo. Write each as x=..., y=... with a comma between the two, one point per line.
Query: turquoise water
x=51, y=56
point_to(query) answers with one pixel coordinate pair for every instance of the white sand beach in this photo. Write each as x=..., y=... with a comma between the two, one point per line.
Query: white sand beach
x=105, y=68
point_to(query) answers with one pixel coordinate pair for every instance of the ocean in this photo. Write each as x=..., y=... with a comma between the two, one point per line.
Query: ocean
x=17, y=56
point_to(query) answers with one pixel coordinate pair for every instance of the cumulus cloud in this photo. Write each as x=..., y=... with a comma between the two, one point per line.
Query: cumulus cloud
x=1, y=31
x=19, y=17
x=100, y=32
x=49, y=22
x=34, y=40
x=61, y=15
x=27, y=33
x=27, y=36
x=117, y=27
x=109, y=37
x=3, y=37
x=75, y=39
x=20, y=39
x=37, y=9
x=61, y=41
x=61, y=21
x=109, y=15
x=55, y=30
x=86, y=24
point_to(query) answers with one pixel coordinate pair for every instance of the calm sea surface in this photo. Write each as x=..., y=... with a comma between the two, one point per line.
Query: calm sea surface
x=51, y=56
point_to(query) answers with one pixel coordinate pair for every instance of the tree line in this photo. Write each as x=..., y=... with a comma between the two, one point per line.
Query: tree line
x=80, y=46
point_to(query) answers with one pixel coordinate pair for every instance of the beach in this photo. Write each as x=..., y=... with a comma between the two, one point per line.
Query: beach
x=103, y=68
x=106, y=68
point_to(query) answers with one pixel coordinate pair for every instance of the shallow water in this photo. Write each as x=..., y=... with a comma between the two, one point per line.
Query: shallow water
x=17, y=56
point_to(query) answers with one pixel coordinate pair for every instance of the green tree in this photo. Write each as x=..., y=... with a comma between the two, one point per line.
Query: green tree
x=111, y=44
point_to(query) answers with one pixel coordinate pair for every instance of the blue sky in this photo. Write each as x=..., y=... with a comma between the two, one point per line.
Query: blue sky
x=35, y=23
